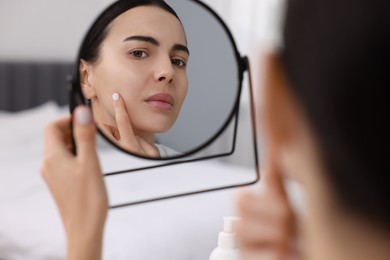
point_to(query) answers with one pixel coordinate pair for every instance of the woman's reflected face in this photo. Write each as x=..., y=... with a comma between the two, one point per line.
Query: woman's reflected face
x=143, y=58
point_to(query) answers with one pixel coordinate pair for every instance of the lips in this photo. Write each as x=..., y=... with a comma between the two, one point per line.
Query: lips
x=161, y=101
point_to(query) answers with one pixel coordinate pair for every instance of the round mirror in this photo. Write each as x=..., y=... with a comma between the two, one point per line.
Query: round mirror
x=163, y=78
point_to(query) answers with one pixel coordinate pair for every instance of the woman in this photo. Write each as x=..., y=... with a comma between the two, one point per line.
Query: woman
x=324, y=112
x=323, y=117
x=133, y=71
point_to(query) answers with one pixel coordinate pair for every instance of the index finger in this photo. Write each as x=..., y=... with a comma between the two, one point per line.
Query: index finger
x=123, y=121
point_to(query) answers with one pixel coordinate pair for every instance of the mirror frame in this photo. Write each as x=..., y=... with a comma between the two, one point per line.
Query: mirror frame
x=76, y=98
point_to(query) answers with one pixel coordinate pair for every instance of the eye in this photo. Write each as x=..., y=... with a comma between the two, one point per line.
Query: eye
x=138, y=54
x=178, y=62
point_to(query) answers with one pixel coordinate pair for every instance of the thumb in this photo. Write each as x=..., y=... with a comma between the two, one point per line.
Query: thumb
x=84, y=132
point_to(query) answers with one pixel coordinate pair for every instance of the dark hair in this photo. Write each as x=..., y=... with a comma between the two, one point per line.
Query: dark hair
x=89, y=50
x=90, y=47
x=336, y=59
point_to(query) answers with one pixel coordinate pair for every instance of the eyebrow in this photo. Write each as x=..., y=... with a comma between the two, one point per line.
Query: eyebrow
x=151, y=40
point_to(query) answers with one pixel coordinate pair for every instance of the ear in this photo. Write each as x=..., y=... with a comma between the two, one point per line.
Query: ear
x=280, y=109
x=85, y=70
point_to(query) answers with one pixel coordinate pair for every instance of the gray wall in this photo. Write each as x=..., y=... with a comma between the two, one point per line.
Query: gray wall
x=213, y=79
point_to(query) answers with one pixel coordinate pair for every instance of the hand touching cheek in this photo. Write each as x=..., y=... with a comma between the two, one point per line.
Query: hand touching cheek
x=126, y=136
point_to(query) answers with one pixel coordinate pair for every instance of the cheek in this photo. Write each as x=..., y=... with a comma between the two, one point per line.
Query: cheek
x=124, y=82
x=106, y=83
x=130, y=103
x=131, y=90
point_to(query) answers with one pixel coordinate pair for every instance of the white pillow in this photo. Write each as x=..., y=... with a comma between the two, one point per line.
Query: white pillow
x=19, y=128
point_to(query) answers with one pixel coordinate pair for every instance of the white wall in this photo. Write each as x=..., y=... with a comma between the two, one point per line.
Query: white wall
x=52, y=29
x=44, y=29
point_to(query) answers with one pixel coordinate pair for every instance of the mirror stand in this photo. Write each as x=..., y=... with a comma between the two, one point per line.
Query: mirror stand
x=202, y=163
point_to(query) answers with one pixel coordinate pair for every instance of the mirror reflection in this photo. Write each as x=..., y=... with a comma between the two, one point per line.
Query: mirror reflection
x=133, y=72
x=160, y=84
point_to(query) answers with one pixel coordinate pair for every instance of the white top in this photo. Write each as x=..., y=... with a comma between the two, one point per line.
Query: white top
x=166, y=151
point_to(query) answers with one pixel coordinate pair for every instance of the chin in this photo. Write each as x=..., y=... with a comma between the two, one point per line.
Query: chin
x=162, y=129
x=156, y=127
x=160, y=124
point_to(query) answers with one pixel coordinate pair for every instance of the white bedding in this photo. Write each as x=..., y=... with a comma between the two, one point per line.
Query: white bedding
x=30, y=227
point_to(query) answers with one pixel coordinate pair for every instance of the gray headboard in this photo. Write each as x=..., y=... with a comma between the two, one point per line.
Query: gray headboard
x=25, y=85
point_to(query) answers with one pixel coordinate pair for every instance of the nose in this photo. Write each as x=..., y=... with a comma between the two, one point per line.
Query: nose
x=165, y=71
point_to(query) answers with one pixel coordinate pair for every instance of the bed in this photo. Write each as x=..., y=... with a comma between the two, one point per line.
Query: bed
x=31, y=95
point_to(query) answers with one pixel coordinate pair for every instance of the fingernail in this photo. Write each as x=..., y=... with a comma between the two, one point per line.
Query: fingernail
x=115, y=96
x=83, y=115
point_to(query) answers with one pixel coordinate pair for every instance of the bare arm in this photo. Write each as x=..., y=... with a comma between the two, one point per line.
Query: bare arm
x=76, y=184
